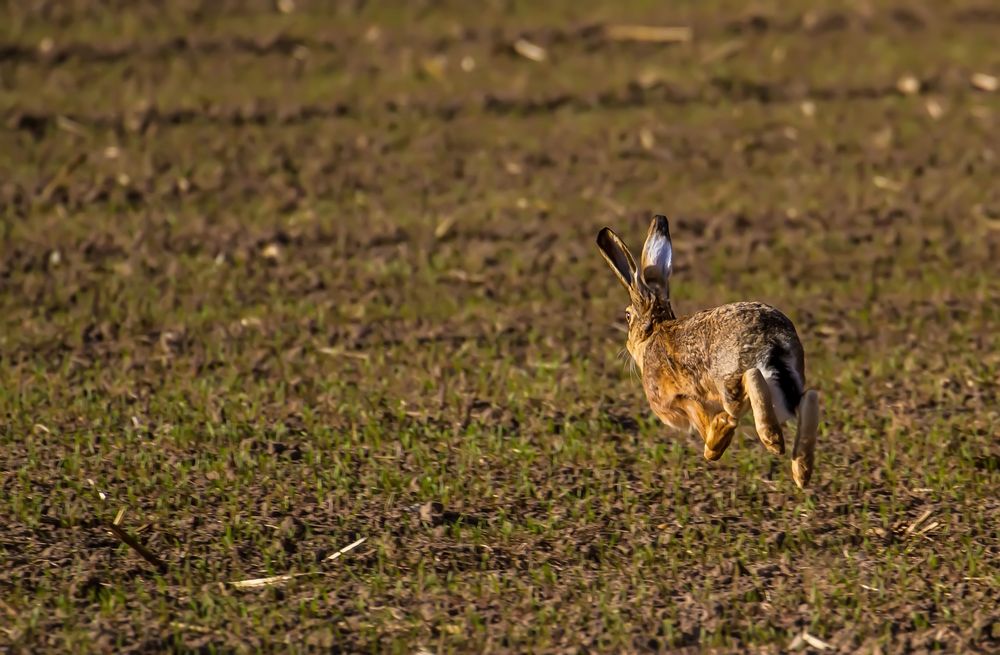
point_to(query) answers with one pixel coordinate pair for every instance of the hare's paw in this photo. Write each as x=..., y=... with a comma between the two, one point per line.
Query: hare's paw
x=805, y=440
x=772, y=438
x=720, y=435
x=724, y=421
x=802, y=469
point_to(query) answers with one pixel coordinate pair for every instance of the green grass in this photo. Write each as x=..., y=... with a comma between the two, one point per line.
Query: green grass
x=270, y=340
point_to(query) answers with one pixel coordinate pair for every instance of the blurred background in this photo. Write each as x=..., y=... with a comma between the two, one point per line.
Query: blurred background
x=279, y=276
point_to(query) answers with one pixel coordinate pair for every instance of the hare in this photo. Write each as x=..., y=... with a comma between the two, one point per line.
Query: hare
x=707, y=369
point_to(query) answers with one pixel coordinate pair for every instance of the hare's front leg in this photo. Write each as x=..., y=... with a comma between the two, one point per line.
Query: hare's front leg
x=717, y=431
x=720, y=434
x=764, y=418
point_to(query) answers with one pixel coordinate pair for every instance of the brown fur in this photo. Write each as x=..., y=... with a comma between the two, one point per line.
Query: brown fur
x=704, y=371
x=704, y=356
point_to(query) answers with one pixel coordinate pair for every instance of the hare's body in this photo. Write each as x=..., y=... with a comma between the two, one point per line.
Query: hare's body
x=705, y=356
x=706, y=370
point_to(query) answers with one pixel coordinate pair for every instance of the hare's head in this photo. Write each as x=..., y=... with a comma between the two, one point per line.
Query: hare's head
x=648, y=285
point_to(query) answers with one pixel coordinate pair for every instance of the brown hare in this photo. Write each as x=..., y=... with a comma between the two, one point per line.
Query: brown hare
x=707, y=369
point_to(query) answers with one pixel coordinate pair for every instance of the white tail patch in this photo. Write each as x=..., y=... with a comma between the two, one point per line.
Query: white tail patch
x=772, y=375
x=778, y=399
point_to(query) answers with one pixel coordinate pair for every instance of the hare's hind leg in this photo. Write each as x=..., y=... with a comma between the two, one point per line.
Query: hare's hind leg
x=805, y=438
x=764, y=418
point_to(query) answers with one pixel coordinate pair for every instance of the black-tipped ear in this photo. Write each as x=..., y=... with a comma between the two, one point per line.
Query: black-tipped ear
x=618, y=257
x=658, y=257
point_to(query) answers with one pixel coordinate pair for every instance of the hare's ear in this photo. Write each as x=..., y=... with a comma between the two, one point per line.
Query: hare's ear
x=618, y=256
x=657, y=258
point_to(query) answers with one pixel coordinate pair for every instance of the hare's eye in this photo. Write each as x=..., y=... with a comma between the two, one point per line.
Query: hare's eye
x=628, y=315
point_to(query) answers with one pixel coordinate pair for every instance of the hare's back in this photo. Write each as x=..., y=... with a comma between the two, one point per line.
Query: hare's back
x=748, y=335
